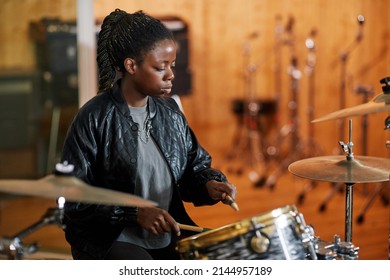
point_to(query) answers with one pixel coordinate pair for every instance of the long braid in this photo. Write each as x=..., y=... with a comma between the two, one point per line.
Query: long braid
x=125, y=35
x=107, y=71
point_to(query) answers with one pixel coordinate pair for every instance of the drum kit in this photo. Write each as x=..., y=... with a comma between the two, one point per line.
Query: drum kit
x=278, y=234
x=282, y=233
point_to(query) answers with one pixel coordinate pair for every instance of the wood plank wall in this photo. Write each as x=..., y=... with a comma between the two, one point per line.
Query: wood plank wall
x=218, y=32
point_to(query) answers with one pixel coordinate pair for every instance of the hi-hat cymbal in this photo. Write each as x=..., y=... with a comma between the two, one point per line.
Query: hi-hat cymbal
x=72, y=189
x=339, y=169
x=380, y=103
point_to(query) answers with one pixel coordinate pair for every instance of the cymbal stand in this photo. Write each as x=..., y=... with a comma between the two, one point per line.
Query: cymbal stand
x=349, y=188
x=343, y=73
x=291, y=129
x=338, y=187
x=313, y=148
x=13, y=246
x=344, y=56
x=249, y=140
x=270, y=150
x=278, y=60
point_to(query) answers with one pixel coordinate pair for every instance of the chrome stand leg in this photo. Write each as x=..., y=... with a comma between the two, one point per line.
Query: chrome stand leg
x=348, y=212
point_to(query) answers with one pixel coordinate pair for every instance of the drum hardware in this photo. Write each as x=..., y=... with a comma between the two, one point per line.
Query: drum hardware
x=260, y=242
x=379, y=103
x=339, y=187
x=342, y=101
x=248, y=139
x=343, y=73
x=336, y=250
x=271, y=148
x=311, y=145
x=13, y=246
x=308, y=239
x=349, y=170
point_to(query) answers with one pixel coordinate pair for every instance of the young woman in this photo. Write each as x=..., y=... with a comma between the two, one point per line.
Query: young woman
x=131, y=137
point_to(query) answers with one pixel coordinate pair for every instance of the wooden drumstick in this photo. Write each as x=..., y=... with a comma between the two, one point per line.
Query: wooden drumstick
x=231, y=202
x=191, y=228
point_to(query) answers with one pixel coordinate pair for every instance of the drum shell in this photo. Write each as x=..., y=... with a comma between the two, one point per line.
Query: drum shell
x=274, y=235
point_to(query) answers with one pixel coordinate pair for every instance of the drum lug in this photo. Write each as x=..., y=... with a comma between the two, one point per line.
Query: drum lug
x=260, y=243
x=308, y=240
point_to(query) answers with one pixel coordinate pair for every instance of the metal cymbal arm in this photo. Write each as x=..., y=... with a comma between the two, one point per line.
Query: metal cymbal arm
x=52, y=216
x=347, y=148
x=13, y=246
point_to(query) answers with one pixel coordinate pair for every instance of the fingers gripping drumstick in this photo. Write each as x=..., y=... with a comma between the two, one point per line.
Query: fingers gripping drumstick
x=231, y=202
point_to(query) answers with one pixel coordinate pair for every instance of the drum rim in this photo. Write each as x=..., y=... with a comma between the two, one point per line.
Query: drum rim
x=240, y=227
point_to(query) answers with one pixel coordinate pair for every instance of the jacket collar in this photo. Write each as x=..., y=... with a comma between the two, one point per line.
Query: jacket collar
x=121, y=102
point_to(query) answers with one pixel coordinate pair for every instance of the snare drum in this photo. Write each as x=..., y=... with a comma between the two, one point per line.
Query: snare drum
x=280, y=234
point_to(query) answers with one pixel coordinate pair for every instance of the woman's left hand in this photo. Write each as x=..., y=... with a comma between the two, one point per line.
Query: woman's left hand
x=219, y=190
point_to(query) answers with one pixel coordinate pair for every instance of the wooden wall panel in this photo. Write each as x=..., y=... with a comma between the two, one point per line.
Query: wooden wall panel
x=218, y=32
x=16, y=50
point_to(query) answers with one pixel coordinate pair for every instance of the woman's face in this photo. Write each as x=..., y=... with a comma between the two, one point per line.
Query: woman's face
x=154, y=75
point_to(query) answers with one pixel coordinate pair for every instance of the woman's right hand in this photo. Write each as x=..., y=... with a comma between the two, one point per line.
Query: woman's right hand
x=157, y=221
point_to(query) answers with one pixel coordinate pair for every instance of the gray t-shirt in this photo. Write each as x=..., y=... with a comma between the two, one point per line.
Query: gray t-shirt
x=153, y=182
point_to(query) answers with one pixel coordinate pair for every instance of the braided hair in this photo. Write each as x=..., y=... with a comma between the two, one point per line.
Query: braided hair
x=125, y=35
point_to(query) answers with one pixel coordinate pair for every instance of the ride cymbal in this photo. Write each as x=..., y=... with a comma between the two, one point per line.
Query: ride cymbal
x=339, y=169
x=380, y=103
x=72, y=189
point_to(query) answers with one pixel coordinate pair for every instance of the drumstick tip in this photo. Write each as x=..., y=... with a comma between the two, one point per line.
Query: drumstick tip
x=232, y=203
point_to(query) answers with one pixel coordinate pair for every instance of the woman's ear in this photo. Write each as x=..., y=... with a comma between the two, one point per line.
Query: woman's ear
x=130, y=65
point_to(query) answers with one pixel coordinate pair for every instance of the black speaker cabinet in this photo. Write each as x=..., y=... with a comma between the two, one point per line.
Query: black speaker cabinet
x=55, y=45
x=56, y=58
x=19, y=109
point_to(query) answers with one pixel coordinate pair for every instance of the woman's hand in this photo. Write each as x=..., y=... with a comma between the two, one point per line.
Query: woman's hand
x=157, y=221
x=219, y=190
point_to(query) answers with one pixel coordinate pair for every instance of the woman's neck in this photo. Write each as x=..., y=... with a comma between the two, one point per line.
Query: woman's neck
x=133, y=98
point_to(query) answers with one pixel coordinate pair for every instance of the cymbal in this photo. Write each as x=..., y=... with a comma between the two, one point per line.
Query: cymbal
x=339, y=169
x=72, y=189
x=380, y=103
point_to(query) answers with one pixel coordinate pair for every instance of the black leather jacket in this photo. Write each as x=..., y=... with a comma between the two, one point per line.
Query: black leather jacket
x=102, y=144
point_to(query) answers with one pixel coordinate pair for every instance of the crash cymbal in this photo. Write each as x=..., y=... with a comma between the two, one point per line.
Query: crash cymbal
x=380, y=103
x=72, y=189
x=339, y=169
